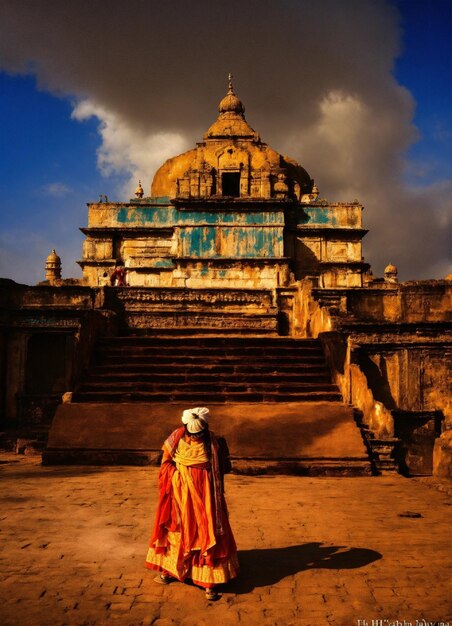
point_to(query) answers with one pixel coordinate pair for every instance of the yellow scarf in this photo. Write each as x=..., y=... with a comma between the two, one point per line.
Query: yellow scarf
x=190, y=453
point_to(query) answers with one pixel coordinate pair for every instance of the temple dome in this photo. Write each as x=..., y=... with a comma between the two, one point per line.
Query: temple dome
x=231, y=151
x=390, y=269
x=231, y=122
x=231, y=103
x=53, y=257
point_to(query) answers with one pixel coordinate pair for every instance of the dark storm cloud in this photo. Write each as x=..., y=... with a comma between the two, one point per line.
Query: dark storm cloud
x=315, y=77
x=164, y=64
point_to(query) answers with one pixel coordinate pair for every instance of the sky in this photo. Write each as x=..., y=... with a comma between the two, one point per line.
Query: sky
x=94, y=95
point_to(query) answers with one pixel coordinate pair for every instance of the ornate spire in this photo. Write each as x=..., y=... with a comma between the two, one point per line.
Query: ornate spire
x=231, y=122
x=139, y=190
x=230, y=103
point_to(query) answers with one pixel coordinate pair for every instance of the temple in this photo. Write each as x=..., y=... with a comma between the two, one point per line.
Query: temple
x=231, y=283
x=230, y=212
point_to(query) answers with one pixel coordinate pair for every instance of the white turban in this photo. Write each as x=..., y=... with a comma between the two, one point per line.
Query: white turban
x=195, y=419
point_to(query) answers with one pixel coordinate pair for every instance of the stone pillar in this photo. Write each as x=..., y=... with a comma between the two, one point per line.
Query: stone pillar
x=265, y=184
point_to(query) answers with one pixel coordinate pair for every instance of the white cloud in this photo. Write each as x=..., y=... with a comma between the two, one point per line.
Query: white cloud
x=128, y=150
x=358, y=151
x=55, y=190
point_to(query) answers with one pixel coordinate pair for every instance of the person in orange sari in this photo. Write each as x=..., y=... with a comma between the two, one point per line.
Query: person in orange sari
x=192, y=537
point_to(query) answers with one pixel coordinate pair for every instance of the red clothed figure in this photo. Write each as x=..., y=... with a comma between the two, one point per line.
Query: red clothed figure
x=191, y=537
x=118, y=278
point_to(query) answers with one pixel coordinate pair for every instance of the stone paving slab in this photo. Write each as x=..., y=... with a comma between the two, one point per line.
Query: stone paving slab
x=313, y=551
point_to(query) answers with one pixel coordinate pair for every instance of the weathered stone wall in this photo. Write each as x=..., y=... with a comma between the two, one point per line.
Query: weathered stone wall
x=327, y=242
x=184, y=245
x=354, y=384
x=47, y=336
x=390, y=351
x=411, y=302
x=407, y=371
x=309, y=317
x=150, y=236
x=201, y=310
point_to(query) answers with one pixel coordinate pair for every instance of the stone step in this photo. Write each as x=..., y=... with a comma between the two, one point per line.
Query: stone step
x=206, y=397
x=268, y=332
x=384, y=454
x=209, y=341
x=213, y=387
x=182, y=377
x=184, y=360
x=189, y=369
x=207, y=369
x=304, y=467
x=211, y=351
x=197, y=340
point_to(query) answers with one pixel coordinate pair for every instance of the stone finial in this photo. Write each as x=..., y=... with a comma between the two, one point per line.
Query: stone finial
x=139, y=190
x=53, y=267
x=390, y=274
x=280, y=187
x=230, y=103
x=312, y=196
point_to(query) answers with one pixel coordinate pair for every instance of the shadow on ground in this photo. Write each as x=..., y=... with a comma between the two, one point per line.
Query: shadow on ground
x=260, y=568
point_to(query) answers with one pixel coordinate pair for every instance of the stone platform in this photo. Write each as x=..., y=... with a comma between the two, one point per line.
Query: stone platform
x=295, y=437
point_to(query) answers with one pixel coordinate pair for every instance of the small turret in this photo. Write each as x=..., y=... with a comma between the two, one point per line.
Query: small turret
x=390, y=274
x=53, y=267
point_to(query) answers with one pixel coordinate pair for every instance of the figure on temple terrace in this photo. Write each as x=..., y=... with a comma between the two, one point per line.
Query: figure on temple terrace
x=192, y=537
x=118, y=277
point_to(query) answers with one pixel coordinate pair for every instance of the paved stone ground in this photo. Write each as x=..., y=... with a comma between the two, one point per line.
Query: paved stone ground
x=314, y=551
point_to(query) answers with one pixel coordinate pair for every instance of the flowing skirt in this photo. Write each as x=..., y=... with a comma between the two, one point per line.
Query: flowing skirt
x=183, y=542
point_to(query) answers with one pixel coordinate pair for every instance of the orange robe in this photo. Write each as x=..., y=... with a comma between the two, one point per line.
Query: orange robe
x=192, y=537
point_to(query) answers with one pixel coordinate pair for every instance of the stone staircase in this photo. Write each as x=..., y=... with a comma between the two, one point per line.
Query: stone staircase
x=331, y=298
x=271, y=397
x=207, y=369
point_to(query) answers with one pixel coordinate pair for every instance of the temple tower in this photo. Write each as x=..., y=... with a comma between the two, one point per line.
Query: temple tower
x=230, y=213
